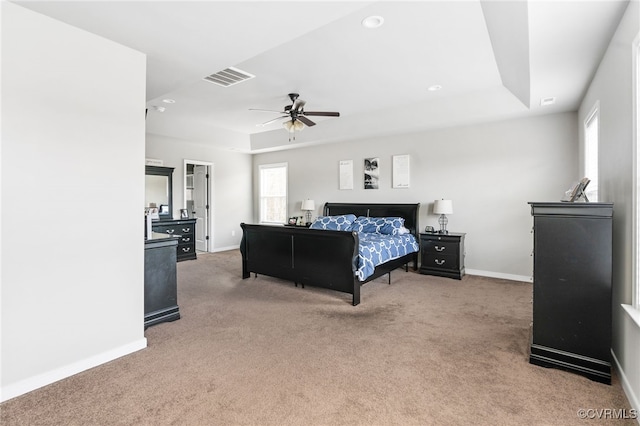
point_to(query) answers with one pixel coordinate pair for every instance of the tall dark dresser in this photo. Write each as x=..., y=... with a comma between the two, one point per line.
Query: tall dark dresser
x=572, y=287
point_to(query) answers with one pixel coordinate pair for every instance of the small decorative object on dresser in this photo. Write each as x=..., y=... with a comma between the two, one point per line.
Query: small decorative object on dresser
x=442, y=254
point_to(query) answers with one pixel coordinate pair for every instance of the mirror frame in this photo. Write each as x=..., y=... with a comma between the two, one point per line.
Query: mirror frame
x=168, y=172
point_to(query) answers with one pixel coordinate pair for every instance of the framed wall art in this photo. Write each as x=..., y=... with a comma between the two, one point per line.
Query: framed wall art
x=401, y=171
x=371, y=173
x=346, y=174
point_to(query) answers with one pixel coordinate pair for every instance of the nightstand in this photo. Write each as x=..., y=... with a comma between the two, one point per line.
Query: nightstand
x=442, y=254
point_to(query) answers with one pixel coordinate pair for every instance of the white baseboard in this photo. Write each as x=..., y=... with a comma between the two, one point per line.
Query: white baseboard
x=20, y=388
x=626, y=387
x=225, y=248
x=500, y=275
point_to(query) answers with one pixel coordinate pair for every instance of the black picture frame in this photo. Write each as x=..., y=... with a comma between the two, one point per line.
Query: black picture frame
x=184, y=214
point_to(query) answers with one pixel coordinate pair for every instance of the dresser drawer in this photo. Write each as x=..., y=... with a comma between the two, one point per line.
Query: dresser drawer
x=185, y=229
x=186, y=239
x=441, y=261
x=166, y=229
x=186, y=249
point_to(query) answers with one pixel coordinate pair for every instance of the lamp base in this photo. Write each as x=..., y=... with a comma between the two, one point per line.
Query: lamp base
x=443, y=224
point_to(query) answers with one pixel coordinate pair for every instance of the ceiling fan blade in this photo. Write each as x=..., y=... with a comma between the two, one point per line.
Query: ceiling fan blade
x=306, y=121
x=298, y=105
x=321, y=113
x=271, y=121
x=264, y=110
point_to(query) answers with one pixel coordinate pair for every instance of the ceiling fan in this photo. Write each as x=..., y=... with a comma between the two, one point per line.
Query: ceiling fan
x=296, y=116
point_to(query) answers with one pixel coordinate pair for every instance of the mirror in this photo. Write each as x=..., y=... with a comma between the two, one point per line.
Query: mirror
x=159, y=190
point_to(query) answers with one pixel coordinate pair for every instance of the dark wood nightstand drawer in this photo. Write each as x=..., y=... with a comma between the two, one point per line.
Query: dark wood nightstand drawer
x=449, y=262
x=441, y=247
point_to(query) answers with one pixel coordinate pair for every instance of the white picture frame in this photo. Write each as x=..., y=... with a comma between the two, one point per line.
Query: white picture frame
x=401, y=171
x=346, y=174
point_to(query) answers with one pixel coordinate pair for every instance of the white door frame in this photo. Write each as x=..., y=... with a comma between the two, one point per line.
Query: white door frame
x=209, y=196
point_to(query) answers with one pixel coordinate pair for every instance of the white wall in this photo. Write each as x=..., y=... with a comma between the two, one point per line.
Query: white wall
x=72, y=188
x=490, y=171
x=613, y=87
x=231, y=183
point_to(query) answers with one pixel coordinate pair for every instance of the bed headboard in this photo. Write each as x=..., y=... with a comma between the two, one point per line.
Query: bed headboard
x=407, y=211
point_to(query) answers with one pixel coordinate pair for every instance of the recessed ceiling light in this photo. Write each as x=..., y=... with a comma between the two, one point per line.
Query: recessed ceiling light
x=169, y=101
x=547, y=101
x=434, y=88
x=372, y=21
x=159, y=108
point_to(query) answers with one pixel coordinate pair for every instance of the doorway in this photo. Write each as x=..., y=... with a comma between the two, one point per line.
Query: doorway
x=197, y=190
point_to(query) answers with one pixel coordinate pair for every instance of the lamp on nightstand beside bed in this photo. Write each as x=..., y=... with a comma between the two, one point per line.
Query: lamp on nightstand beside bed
x=443, y=208
x=309, y=206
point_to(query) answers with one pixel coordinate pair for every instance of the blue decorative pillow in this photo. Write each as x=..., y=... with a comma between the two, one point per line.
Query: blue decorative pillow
x=379, y=225
x=334, y=223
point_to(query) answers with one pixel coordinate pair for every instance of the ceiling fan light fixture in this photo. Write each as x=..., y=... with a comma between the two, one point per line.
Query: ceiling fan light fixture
x=293, y=126
x=372, y=22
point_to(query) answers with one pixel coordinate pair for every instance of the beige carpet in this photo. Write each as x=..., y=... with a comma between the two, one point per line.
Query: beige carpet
x=422, y=351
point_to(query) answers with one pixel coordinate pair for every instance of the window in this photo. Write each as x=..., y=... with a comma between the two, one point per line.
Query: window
x=591, y=134
x=635, y=295
x=634, y=308
x=273, y=193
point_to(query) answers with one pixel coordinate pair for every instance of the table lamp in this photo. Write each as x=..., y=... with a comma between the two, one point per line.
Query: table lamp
x=443, y=208
x=309, y=206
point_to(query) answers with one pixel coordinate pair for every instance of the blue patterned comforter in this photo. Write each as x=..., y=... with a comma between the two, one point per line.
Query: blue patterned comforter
x=376, y=249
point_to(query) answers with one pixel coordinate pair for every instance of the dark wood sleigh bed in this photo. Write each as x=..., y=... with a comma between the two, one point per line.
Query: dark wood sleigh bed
x=321, y=258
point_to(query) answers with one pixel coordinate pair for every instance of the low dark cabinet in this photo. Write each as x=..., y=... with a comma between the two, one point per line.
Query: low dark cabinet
x=442, y=254
x=572, y=269
x=160, y=281
x=185, y=230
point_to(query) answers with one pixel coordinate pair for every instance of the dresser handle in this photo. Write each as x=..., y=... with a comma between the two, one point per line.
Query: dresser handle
x=170, y=231
x=186, y=239
x=186, y=229
x=439, y=262
x=438, y=248
x=186, y=249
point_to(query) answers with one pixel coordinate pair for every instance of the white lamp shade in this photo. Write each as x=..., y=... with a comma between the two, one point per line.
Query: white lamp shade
x=308, y=205
x=443, y=207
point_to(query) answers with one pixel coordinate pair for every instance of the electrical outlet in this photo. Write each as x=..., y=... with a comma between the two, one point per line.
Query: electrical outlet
x=233, y=233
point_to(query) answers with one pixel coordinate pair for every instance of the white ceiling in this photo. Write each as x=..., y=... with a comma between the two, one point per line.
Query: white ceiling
x=493, y=59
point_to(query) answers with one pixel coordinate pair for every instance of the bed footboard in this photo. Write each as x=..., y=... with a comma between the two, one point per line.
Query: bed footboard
x=320, y=258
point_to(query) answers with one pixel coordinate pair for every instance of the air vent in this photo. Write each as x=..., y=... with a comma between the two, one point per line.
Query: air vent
x=229, y=77
x=547, y=101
